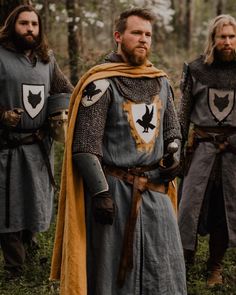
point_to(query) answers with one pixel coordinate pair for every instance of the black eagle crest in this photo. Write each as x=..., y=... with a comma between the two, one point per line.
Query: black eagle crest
x=90, y=91
x=146, y=120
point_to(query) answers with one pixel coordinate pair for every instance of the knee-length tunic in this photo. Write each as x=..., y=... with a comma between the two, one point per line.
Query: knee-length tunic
x=24, y=177
x=158, y=259
x=208, y=101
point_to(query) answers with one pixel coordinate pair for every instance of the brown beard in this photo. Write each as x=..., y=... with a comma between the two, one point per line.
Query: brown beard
x=225, y=57
x=23, y=44
x=133, y=59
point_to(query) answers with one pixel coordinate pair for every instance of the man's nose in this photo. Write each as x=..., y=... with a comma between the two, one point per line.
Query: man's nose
x=143, y=38
x=227, y=40
x=29, y=28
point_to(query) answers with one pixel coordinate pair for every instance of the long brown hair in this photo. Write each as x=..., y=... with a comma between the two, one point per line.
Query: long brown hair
x=217, y=23
x=8, y=30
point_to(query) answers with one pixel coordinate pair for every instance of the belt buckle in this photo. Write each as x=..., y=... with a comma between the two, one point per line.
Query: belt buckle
x=135, y=171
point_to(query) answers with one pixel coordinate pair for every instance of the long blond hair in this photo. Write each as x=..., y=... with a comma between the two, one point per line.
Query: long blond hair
x=217, y=23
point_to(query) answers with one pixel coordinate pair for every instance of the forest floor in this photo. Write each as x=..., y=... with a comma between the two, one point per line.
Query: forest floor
x=35, y=279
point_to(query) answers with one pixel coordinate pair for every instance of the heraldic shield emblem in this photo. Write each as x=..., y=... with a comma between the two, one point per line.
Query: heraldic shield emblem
x=94, y=91
x=33, y=98
x=221, y=103
x=144, y=121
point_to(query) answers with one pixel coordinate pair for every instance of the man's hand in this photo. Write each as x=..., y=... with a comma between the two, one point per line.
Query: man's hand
x=170, y=172
x=11, y=118
x=103, y=208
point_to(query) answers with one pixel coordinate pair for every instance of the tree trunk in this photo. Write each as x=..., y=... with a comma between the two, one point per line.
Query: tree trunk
x=179, y=24
x=73, y=41
x=188, y=24
x=6, y=7
x=45, y=17
x=219, y=7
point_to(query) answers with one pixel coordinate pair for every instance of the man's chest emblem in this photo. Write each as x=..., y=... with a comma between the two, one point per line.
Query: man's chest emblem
x=144, y=120
x=33, y=98
x=221, y=103
x=147, y=117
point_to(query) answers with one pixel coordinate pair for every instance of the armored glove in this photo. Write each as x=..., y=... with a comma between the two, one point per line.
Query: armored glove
x=169, y=170
x=103, y=208
x=11, y=118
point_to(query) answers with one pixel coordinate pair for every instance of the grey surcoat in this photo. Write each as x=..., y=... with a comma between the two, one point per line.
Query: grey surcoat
x=158, y=259
x=208, y=101
x=25, y=85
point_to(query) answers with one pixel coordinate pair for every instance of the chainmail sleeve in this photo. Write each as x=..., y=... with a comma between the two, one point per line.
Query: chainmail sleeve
x=171, y=128
x=60, y=83
x=89, y=127
x=185, y=107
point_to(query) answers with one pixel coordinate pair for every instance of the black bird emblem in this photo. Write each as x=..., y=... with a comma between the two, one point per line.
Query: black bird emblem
x=90, y=91
x=146, y=119
x=221, y=102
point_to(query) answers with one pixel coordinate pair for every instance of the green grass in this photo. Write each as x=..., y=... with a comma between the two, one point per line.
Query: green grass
x=35, y=280
x=197, y=275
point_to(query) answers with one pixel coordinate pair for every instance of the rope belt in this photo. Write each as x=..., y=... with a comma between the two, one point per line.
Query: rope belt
x=11, y=143
x=140, y=183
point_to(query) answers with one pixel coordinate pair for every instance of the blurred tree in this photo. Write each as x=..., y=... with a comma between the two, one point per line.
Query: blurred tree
x=73, y=42
x=188, y=24
x=178, y=21
x=45, y=16
x=219, y=7
x=6, y=6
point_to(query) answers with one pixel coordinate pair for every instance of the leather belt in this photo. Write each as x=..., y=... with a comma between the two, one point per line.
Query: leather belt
x=140, y=184
x=219, y=139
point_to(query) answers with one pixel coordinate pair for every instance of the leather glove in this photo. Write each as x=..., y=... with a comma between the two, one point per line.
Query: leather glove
x=103, y=208
x=169, y=170
x=11, y=118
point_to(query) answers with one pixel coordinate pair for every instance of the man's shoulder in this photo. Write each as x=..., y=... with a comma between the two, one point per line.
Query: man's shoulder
x=197, y=62
x=4, y=49
x=94, y=91
x=5, y=53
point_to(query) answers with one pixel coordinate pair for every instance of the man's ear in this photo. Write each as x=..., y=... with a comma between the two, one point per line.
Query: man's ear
x=117, y=36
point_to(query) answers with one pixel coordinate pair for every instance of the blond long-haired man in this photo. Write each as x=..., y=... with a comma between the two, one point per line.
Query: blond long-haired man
x=207, y=203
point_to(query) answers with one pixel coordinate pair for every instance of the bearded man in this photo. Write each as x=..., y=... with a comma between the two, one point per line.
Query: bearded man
x=208, y=120
x=118, y=233
x=32, y=87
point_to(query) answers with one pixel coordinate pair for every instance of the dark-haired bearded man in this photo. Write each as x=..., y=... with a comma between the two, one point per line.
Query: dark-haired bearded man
x=32, y=88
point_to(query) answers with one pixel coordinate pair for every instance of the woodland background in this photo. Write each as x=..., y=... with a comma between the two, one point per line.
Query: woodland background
x=80, y=33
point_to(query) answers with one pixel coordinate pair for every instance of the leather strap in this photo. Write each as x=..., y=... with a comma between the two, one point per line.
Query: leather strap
x=140, y=184
x=143, y=183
